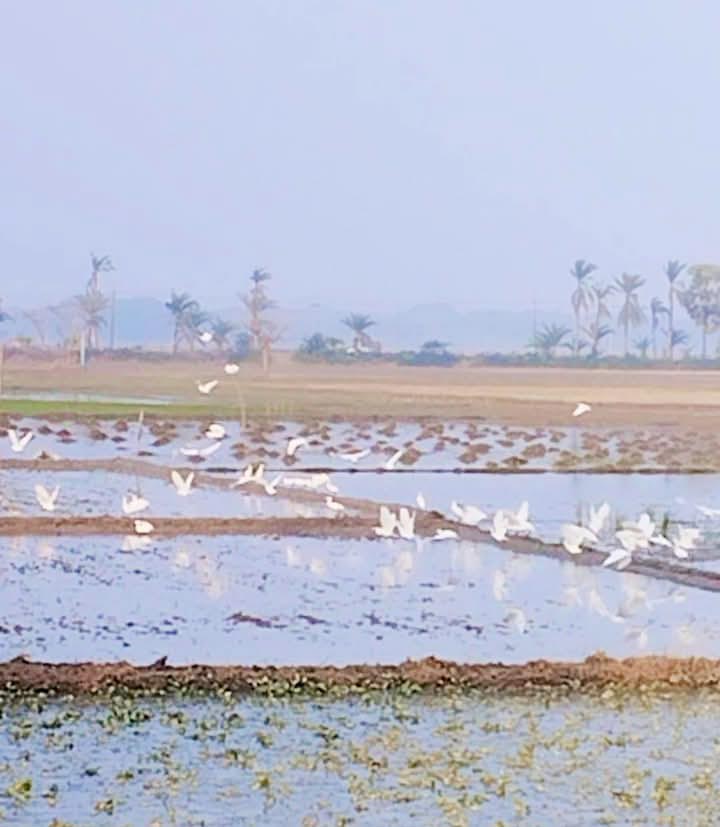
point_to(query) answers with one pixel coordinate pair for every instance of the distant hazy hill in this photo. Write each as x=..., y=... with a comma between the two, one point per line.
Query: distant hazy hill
x=145, y=321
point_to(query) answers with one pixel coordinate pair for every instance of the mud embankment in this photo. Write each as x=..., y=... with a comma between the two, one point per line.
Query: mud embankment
x=595, y=673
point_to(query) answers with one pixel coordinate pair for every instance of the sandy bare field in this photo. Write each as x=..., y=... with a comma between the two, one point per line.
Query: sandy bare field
x=523, y=396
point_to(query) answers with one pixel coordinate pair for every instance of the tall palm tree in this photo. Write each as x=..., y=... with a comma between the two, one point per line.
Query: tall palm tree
x=657, y=310
x=359, y=324
x=258, y=303
x=631, y=314
x=92, y=305
x=672, y=270
x=182, y=306
x=192, y=325
x=582, y=296
x=99, y=264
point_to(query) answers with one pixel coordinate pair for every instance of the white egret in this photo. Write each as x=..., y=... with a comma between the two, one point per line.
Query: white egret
x=620, y=556
x=19, y=444
x=388, y=523
x=231, y=369
x=630, y=539
x=216, y=431
x=406, y=524
x=518, y=520
x=575, y=536
x=205, y=452
x=47, y=499
x=143, y=527
x=355, y=456
x=334, y=505
x=298, y=482
x=598, y=518
x=207, y=387
x=133, y=504
x=444, y=534
x=182, y=485
x=271, y=486
x=468, y=514
x=295, y=444
x=206, y=337
x=393, y=461
x=420, y=501
x=684, y=541
x=245, y=478
x=581, y=408
x=499, y=528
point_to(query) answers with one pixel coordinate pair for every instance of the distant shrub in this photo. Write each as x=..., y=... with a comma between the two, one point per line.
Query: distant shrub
x=433, y=353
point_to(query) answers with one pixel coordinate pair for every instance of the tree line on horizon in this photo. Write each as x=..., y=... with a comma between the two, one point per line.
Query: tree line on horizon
x=595, y=320
x=594, y=317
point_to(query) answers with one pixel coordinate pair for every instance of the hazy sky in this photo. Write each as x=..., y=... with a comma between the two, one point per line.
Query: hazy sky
x=370, y=153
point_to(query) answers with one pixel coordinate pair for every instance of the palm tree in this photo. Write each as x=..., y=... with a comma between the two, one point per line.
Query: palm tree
x=359, y=324
x=657, y=310
x=643, y=345
x=678, y=337
x=257, y=303
x=596, y=333
x=596, y=330
x=221, y=331
x=548, y=339
x=582, y=295
x=631, y=314
x=672, y=270
x=181, y=305
x=92, y=305
x=99, y=264
x=259, y=275
x=193, y=323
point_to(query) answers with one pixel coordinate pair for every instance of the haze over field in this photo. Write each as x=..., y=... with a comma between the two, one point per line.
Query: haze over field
x=373, y=156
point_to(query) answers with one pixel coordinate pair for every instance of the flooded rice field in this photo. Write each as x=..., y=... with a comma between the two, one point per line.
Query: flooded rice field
x=308, y=584
x=305, y=600
x=457, y=761
x=366, y=445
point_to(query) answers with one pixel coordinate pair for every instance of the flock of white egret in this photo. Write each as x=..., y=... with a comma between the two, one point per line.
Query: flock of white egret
x=619, y=542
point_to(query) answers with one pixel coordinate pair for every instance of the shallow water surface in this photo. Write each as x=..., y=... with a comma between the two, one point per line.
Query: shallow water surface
x=288, y=601
x=95, y=493
x=458, y=761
